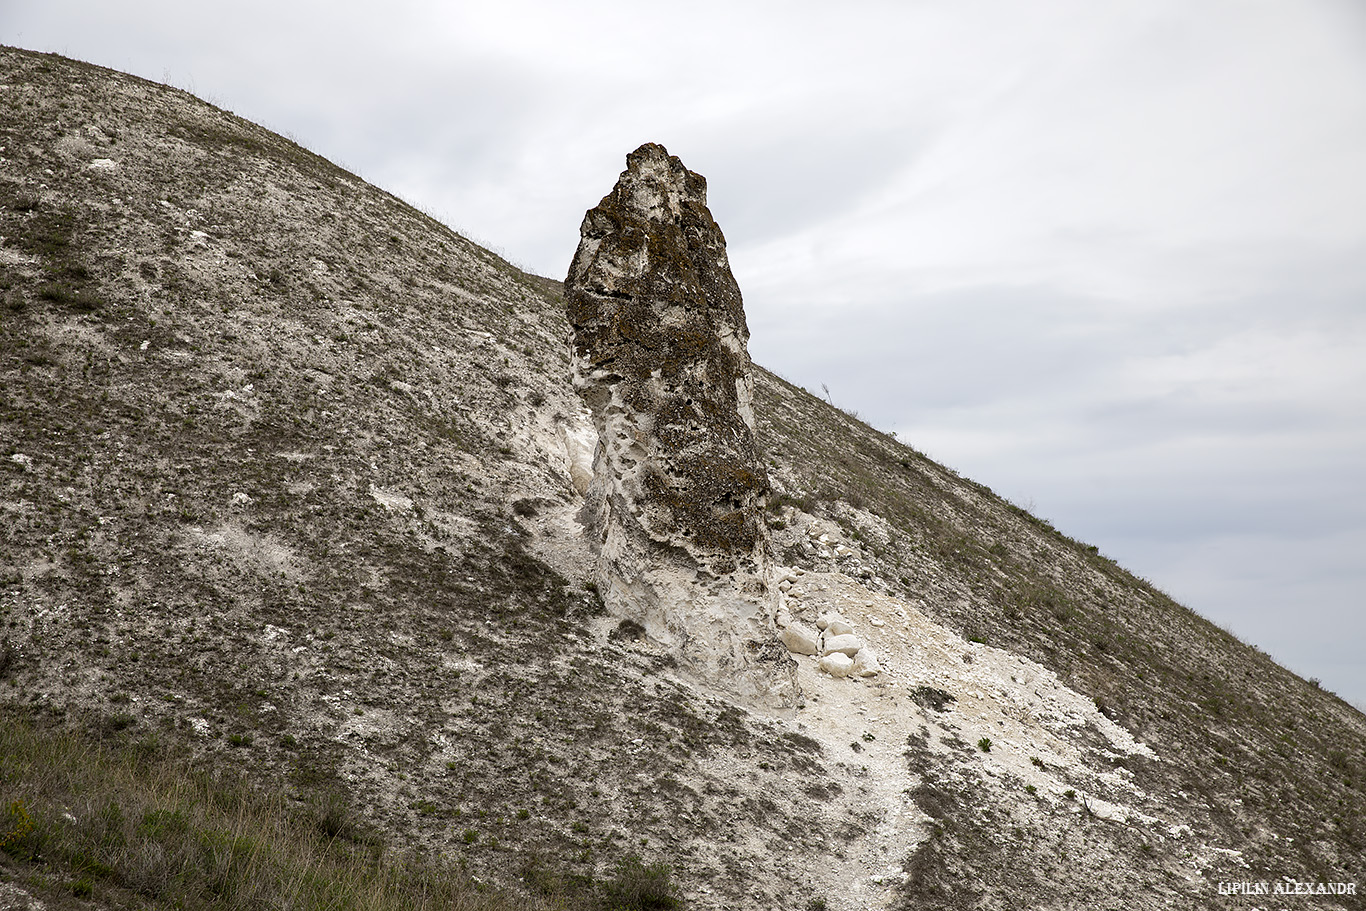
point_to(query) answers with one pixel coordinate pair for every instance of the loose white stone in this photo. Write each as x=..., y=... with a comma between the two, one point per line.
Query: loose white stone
x=876, y=621
x=865, y=663
x=834, y=624
x=799, y=638
x=837, y=665
x=846, y=644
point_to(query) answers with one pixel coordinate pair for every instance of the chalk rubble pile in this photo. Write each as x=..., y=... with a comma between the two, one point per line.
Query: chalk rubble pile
x=833, y=641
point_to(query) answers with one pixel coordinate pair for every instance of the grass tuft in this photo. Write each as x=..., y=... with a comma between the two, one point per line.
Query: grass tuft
x=638, y=886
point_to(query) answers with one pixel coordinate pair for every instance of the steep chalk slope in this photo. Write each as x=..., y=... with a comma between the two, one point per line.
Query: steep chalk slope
x=1238, y=770
x=289, y=482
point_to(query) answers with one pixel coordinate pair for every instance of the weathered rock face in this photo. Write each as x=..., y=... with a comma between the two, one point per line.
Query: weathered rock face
x=676, y=503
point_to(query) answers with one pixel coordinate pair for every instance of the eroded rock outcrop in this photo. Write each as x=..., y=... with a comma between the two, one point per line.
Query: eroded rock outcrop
x=676, y=504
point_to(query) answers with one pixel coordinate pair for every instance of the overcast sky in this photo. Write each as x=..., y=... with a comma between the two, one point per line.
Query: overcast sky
x=1106, y=258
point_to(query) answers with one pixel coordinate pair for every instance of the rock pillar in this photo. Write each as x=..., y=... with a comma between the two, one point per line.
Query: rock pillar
x=675, y=507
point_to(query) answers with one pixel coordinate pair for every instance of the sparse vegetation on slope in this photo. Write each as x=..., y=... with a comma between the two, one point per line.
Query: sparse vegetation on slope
x=285, y=494
x=122, y=823
x=1249, y=747
x=292, y=500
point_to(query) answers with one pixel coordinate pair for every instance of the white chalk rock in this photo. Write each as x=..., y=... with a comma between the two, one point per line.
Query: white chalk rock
x=834, y=625
x=846, y=644
x=837, y=665
x=799, y=638
x=865, y=663
x=580, y=441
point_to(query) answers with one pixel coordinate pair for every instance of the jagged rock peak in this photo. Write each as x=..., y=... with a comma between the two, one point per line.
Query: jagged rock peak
x=660, y=357
x=675, y=509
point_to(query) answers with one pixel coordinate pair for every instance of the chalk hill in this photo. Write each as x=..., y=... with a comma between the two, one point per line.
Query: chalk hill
x=291, y=480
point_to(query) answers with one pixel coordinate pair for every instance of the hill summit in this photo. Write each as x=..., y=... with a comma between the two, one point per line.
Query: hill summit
x=296, y=490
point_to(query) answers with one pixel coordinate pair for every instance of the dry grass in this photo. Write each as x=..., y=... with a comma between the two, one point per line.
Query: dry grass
x=115, y=823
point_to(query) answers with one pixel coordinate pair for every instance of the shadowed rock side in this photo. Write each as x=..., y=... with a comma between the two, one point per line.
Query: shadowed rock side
x=675, y=509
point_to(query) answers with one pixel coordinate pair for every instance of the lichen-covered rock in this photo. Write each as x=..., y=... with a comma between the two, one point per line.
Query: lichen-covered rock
x=675, y=507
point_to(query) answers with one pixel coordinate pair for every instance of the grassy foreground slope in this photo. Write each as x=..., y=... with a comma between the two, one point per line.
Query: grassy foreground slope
x=285, y=497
